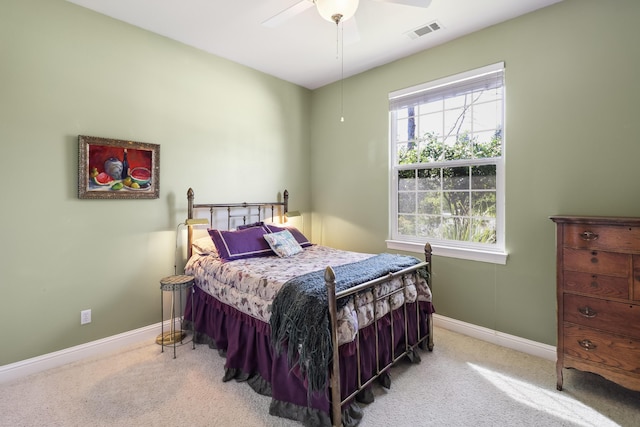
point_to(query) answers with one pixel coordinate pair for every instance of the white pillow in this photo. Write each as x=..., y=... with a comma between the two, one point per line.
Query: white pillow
x=204, y=246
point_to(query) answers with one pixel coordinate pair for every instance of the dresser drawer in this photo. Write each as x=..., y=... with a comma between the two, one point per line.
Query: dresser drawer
x=602, y=237
x=617, y=317
x=596, y=284
x=603, y=348
x=598, y=262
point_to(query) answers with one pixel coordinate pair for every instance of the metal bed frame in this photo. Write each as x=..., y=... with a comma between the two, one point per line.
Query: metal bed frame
x=424, y=342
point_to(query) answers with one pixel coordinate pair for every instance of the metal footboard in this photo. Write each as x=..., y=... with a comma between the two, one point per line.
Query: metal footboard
x=330, y=279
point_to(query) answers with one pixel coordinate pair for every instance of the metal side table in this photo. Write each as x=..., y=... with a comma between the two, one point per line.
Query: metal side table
x=173, y=284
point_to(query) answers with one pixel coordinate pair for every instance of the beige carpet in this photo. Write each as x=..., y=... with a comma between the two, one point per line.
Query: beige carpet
x=463, y=382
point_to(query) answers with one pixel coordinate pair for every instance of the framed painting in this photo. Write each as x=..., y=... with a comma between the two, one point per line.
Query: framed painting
x=117, y=169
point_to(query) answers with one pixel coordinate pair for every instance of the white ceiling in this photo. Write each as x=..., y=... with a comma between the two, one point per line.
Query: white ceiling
x=304, y=49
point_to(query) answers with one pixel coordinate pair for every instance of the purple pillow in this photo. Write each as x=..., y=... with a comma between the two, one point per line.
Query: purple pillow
x=302, y=240
x=247, y=243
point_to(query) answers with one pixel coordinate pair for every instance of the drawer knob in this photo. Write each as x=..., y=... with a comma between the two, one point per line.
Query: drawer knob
x=588, y=235
x=587, y=344
x=587, y=312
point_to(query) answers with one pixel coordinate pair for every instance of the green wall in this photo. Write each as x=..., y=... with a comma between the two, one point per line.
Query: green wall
x=231, y=133
x=572, y=147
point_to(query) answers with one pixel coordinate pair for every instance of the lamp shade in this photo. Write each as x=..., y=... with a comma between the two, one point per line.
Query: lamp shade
x=337, y=10
x=196, y=221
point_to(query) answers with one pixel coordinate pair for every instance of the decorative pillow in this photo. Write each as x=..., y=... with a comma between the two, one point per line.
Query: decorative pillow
x=283, y=243
x=248, y=243
x=300, y=238
x=204, y=246
x=245, y=226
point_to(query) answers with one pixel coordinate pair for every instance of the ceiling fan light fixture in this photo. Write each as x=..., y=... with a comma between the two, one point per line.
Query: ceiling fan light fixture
x=337, y=10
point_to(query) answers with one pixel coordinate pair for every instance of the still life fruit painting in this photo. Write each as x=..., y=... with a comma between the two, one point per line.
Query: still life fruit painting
x=117, y=169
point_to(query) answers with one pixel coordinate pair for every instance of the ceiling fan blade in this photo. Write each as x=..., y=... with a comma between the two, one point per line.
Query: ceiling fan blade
x=288, y=13
x=415, y=3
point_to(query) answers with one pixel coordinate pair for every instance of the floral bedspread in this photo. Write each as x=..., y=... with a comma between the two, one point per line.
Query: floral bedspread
x=250, y=285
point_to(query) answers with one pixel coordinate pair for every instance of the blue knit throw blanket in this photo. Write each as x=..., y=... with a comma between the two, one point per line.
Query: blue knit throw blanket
x=300, y=313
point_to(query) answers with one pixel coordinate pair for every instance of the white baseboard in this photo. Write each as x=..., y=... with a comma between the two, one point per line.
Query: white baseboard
x=534, y=348
x=52, y=360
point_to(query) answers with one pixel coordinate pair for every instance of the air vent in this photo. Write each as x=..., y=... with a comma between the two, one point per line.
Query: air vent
x=424, y=30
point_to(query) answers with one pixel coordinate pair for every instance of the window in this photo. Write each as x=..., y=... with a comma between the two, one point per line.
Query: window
x=447, y=165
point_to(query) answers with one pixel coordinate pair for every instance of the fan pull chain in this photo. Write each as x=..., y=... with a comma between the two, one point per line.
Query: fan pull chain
x=342, y=78
x=337, y=18
x=337, y=40
x=340, y=56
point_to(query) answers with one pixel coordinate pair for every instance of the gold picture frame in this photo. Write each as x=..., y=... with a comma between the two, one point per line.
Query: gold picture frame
x=117, y=169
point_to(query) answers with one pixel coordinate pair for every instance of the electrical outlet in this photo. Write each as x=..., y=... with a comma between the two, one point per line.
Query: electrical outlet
x=85, y=317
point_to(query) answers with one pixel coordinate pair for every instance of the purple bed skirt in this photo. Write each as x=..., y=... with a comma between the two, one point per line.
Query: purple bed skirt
x=245, y=342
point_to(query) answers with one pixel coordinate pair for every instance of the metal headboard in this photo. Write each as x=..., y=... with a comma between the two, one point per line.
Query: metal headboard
x=251, y=212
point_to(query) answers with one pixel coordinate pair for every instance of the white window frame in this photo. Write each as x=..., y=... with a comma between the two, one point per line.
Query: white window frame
x=494, y=253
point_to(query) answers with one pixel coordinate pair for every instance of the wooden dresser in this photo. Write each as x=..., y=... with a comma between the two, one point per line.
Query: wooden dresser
x=598, y=286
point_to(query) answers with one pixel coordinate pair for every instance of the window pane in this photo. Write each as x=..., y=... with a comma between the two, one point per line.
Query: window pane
x=407, y=225
x=401, y=130
x=484, y=231
x=456, y=203
x=429, y=179
x=406, y=203
x=407, y=154
x=459, y=147
x=455, y=178
x=483, y=140
x=484, y=204
x=483, y=177
x=430, y=202
x=456, y=121
x=488, y=145
x=429, y=226
x=430, y=123
x=406, y=180
x=487, y=116
x=456, y=228
x=431, y=149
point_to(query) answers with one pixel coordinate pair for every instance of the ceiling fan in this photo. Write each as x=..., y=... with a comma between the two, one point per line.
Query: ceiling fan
x=332, y=10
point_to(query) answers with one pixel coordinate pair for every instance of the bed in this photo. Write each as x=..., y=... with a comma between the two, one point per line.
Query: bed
x=310, y=326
